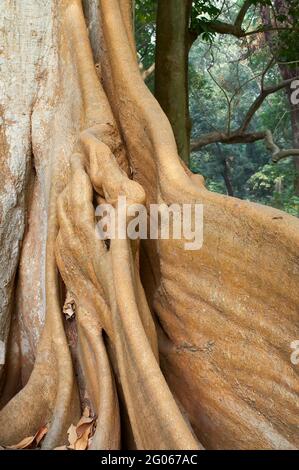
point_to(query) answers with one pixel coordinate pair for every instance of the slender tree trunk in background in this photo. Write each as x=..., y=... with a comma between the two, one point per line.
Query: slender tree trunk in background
x=227, y=178
x=287, y=72
x=171, y=73
x=226, y=171
x=198, y=353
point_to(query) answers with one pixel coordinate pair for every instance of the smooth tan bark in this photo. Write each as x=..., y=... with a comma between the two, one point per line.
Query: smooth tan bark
x=191, y=348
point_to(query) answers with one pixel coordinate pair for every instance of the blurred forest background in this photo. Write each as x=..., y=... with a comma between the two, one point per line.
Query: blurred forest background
x=240, y=87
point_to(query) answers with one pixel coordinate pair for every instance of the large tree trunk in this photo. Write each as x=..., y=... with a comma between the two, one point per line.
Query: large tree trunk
x=171, y=70
x=219, y=329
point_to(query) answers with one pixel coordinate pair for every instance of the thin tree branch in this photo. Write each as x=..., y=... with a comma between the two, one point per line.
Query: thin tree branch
x=227, y=100
x=145, y=74
x=242, y=13
x=269, y=65
x=245, y=138
x=278, y=154
x=265, y=92
x=224, y=138
x=236, y=29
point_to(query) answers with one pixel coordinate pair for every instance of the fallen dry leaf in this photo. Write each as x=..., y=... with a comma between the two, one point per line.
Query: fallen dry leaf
x=82, y=442
x=23, y=444
x=78, y=436
x=28, y=441
x=40, y=434
x=72, y=436
x=86, y=412
x=69, y=308
x=83, y=426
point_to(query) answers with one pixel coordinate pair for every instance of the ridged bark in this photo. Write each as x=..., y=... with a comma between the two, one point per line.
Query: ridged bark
x=189, y=348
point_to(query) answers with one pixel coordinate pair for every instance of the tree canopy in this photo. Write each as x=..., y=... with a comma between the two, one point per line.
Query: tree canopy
x=235, y=78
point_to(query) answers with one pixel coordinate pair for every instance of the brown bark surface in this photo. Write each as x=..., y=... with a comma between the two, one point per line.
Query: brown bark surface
x=190, y=348
x=171, y=69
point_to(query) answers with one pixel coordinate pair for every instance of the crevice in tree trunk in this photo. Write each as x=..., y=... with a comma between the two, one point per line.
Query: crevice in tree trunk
x=90, y=136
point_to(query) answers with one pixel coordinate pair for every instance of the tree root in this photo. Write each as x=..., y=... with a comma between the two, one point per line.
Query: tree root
x=225, y=315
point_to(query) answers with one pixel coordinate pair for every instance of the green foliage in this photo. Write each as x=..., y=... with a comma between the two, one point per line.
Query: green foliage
x=236, y=66
x=261, y=2
x=287, y=40
x=203, y=12
x=145, y=33
x=206, y=12
x=273, y=185
x=252, y=175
